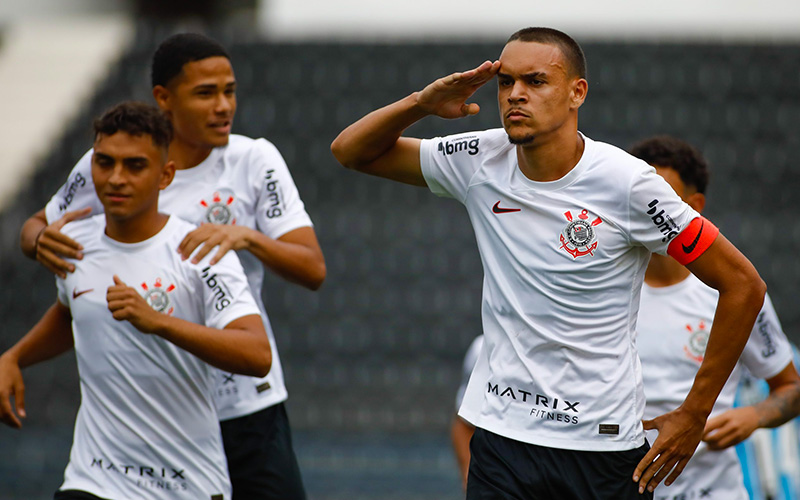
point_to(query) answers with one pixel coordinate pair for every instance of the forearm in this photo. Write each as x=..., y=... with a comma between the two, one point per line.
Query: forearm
x=31, y=230
x=298, y=263
x=782, y=405
x=235, y=350
x=49, y=337
x=376, y=133
x=736, y=312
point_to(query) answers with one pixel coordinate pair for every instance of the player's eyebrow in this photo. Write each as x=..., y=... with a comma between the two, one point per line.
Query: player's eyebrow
x=534, y=74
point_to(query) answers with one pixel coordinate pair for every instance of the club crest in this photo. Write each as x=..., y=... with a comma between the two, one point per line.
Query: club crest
x=219, y=209
x=157, y=297
x=579, y=238
x=695, y=347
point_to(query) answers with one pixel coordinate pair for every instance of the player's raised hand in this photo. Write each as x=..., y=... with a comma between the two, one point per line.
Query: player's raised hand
x=447, y=97
x=126, y=304
x=11, y=385
x=225, y=237
x=679, y=433
x=52, y=245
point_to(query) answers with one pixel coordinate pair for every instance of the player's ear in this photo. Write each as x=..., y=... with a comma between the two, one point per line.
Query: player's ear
x=162, y=96
x=580, y=87
x=167, y=174
x=697, y=201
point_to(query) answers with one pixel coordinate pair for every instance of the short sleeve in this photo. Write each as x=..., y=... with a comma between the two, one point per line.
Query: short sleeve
x=656, y=213
x=279, y=207
x=466, y=369
x=449, y=163
x=226, y=294
x=76, y=193
x=768, y=350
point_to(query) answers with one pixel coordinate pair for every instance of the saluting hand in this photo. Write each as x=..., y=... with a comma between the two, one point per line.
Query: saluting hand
x=125, y=303
x=447, y=97
x=52, y=244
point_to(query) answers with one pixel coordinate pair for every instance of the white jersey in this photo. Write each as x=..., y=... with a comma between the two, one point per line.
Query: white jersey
x=563, y=267
x=147, y=427
x=470, y=359
x=246, y=183
x=674, y=323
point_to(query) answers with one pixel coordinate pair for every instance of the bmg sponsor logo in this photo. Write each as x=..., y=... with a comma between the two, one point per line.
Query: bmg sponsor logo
x=222, y=294
x=663, y=222
x=273, y=195
x=453, y=146
x=73, y=187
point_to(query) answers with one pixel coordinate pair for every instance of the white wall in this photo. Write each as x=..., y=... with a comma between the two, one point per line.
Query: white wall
x=712, y=20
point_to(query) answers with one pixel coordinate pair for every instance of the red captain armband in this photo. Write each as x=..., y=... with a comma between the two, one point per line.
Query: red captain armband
x=693, y=241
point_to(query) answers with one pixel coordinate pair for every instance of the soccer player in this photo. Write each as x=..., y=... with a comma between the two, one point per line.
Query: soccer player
x=146, y=325
x=242, y=193
x=675, y=315
x=565, y=227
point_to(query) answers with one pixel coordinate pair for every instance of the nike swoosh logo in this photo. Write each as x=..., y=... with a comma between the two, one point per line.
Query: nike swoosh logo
x=76, y=293
x=690, y=248
x=496, y=209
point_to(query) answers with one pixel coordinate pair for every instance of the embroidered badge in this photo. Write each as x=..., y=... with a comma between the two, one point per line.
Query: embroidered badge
x=579, y=238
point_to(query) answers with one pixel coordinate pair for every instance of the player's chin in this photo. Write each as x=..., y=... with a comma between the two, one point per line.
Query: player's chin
x=520, y=138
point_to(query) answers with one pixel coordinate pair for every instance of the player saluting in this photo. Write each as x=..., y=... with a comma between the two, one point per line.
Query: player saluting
x=674, y=316
x=243, y=188
x=565, y=226
x=146, y=326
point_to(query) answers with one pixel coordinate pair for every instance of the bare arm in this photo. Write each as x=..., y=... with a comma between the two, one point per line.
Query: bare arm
x=46, y=244
x=374, y=145
x=741, y=295
x=736, y=425
x=295, y=256
x=49, y=337
x=460, y=434
x=241, y=347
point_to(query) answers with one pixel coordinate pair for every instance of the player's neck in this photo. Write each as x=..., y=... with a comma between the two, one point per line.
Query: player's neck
x=664, y=271
x=187, y=155
x=136, y=228
x=551, y=158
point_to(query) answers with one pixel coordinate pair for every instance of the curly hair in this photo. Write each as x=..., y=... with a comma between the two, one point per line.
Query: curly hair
x=136, y=118
x=668, y=151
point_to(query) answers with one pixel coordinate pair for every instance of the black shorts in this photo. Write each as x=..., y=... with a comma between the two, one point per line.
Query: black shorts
x=261, y=460
x=505, y=469
x=74, y=495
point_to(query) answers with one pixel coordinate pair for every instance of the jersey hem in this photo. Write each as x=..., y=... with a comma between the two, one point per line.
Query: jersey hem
x=251, y=406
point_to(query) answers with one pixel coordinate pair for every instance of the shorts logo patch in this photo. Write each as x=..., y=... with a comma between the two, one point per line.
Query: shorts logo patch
x=157, y=296
x=579, y=238
x=219, y=210
x=695, y=347
x=263, y=387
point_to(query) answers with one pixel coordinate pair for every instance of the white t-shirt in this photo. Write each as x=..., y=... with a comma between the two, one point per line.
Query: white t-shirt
x=147, y=426
x=470, y=358
x=674, y=323
x=246, y=183
x=563, y=266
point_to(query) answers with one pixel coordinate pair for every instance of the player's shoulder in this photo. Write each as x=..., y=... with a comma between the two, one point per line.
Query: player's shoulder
x=81, y=229
x=611, y=161
x=241, y=147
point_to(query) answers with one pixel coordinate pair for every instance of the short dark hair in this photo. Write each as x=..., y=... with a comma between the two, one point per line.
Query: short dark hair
x=671, y=152
x=180, y=49
x=573, y=52
x=136, y=118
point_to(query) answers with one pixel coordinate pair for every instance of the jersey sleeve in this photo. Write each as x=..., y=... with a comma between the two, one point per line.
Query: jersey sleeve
x=768, y=350
x=448, y=163
x=76, y=193
x=226, y=294
x=279, y=207
x=657, y=215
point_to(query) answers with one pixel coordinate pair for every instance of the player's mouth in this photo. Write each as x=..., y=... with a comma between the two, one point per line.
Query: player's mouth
x=116, y=197
x=221, y=127
x=516, y=115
